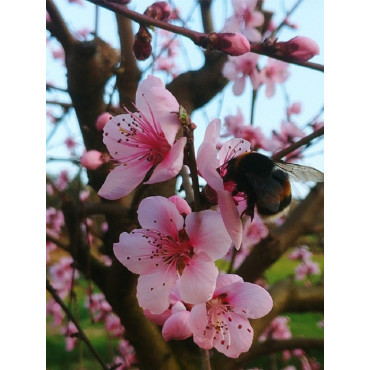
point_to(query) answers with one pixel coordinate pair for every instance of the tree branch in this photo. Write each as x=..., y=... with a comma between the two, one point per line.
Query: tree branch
x=58, y=27
x=205, y=8
x=304, y=141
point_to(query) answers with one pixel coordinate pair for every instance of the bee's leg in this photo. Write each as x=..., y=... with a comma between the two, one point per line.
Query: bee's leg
x=251, y=203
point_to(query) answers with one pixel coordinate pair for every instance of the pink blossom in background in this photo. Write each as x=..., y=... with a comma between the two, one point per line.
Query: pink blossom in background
x=54, y=310
x=144, y=140
x=62, y=181
x=300, y=253
x=113, y=326
x=294, y=108
x=102, y=120
x=317, y=125
x=69, y=332
x=275, y=72
x=222, y=322
x=61, y=274
x=54, y=221
x=208, y=165
x=239, y=68
x=234, y=123
x=278, y=329
x=98, y=306
x=70, y=144
x=126, y=357
x=253, y=232
x=92, y=159
x=306, y=269
x=245, y=19
x=171, y=247
x=50, y=246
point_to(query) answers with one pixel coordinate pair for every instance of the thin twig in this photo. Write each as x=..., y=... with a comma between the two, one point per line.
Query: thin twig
x=81, y=333
x=306, y=140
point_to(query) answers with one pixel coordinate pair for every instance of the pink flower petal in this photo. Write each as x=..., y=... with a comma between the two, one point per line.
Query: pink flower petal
x=230, y=216
x=123, y=179
x=153, y=290
x=239, y=85
x=255, y=300
x=242, y=336
x=207, y=233
x=198, y=322
x=225, y=280
x=161, y=214
x=233, y=148
x=134, y=252
x=177, y=327
x=154, y=100
x=198, y=280
x=171, y=164
x=207, y=156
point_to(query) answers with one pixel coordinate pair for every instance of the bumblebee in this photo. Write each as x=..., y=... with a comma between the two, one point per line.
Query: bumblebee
x=266, y=182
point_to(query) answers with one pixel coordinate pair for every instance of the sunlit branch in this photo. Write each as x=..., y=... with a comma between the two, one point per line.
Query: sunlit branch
x=81, y=333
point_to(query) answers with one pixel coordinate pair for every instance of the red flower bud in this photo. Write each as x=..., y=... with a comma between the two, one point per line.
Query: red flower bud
x=142, y=46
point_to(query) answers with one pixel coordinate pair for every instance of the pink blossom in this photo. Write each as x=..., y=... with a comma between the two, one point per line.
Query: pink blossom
x=300, y=253
x=126, y=356
x=278, y=329
x=239, y=68
x=171, y=247
x=275, y=72
x=92, y=159
x=98, y=306
x=113, y=325
x=306, y=268
x=83, y=33
x=294, y=108
x=245, y=19
x=144, y=140
x=54, y=221
x=102, y=120
x=79, y=2
x=55, y=310
x=62, y=182
x=61, y=274
x=159, y=10
x=300, y=48
x=71, y=338
x=70, y=144
x=208, y=166
x=222, y=322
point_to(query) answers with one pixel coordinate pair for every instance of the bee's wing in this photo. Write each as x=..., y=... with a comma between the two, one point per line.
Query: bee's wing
x=301, y=173
x=267, y=190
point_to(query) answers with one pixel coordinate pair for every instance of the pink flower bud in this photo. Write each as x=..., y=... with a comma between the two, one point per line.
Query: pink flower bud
x=142, y=46
x=231, y=43
x=300, y=48
x=92, y=159
x=102, y=120
x=159, y=10
x=295, y=108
